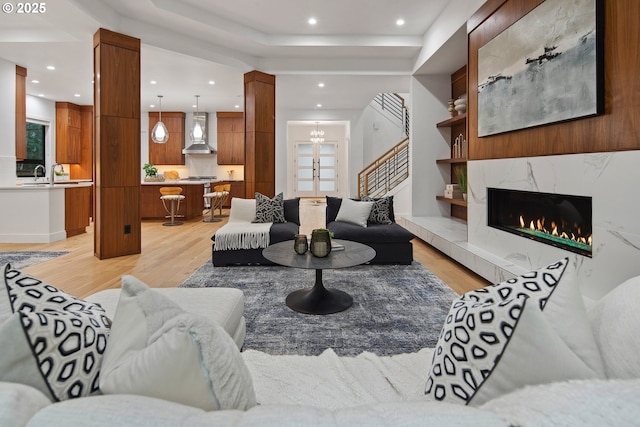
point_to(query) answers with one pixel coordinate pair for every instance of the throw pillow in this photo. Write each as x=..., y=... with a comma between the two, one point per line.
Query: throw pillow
x=354, y=212
x=615, y=321
x=292, y=210
x=269, y=210
x=487, y=349
x=30, y=294
x=157, y=349
x=556, y=292
x=381, y=210
x=242, y=210
x=57, y=341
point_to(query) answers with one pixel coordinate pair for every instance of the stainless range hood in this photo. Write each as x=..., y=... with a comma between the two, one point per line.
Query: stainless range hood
x=199, y=142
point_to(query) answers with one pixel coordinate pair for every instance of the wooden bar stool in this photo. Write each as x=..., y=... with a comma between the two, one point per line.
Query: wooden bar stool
x=174, y=196
x=217, y=198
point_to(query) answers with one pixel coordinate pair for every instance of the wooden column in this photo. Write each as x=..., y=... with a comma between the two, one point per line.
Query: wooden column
x=116, y=96
x=260, y=134
x=21, y=113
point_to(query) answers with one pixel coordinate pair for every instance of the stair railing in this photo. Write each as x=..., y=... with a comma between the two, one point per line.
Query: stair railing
x=395, y=106
x=386, y=172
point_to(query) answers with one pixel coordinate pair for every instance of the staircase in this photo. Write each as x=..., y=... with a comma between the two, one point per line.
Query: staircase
x=392, y=167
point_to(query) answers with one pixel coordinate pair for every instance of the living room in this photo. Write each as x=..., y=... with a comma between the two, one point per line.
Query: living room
x=593, y=156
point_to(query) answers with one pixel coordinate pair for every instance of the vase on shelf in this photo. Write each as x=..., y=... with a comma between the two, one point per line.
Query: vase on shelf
x=320, y=242
x=451, y=109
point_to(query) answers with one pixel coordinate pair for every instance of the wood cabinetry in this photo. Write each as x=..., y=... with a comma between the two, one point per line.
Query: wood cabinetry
x=77, y=210
x=458, y=156
x=68, y=133
x=169, y=153
x=230, y=138
x=84, y=168
x=151, y=206
x=21, y=113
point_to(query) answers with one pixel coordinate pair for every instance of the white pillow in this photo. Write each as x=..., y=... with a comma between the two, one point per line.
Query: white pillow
x=243, y=210
x=615, y=321
x=487, y=349
x=354, y=212
x=556, y=292
x=156, y=349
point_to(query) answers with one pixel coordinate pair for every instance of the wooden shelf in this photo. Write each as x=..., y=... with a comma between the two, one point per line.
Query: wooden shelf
x=460, y=118
x=457, y=202
x=451, y=161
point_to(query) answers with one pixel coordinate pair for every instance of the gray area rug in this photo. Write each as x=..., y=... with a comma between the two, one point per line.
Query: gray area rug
x=396, y=309
x=24, y=259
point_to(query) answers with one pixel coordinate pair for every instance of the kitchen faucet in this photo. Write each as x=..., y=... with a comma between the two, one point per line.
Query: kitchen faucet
x=53, y=171
x=35, y=172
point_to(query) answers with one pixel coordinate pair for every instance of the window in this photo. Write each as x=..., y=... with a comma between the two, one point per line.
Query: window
x=36, y=133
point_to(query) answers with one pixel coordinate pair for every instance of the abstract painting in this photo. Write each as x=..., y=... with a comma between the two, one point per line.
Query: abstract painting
x=547, y=67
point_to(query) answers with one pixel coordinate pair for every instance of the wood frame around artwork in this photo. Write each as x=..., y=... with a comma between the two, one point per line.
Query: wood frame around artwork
x=547, y=67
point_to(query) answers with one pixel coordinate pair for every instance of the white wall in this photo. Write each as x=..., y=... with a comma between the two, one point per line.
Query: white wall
x=429, y=143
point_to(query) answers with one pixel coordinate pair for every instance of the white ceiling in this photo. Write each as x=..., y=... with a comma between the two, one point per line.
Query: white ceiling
x=356, y=49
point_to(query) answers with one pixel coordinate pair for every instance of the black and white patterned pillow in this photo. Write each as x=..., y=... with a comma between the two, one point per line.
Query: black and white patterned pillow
x=66, y=336
x=24, y=293
x=555, y=290
x=269, y=210
x=487, y=349
x=68, y=347
x=381, y=210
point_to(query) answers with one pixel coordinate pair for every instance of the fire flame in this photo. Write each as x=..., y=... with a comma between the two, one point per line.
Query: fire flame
x=539, y=226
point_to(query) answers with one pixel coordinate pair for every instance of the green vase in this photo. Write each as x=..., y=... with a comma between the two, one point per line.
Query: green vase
x=320, y=243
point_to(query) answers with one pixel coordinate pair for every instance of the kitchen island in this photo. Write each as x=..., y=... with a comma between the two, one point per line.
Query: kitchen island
x=40, y=213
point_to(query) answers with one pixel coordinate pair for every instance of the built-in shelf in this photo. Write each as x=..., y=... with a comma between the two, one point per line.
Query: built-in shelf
x=460, y=118
x=451, y=161
x=457, y=202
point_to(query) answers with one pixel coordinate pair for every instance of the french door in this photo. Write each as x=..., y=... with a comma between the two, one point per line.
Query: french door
x=316, y=169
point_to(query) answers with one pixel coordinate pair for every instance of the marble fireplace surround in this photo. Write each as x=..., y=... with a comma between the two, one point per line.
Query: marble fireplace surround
x=611, y=179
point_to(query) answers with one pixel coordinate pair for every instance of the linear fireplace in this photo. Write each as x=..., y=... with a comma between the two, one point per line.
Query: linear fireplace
x=559, y=220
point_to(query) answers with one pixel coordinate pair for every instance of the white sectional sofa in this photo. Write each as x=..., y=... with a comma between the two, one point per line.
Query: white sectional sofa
x=328, y=390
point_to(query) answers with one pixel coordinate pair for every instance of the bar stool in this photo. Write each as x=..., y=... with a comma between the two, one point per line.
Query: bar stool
x=174, y=196
x=217, y=198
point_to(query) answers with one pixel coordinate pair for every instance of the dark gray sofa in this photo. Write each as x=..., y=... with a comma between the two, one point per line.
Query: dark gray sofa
x=392, y=242
x=279, y=232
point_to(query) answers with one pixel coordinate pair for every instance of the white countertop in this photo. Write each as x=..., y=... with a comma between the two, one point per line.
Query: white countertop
x=46, y=186
x=180, y=181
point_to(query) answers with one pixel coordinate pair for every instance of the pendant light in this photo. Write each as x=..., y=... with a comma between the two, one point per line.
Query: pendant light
x=160, y=134
x=197, y=131
x=317, y=136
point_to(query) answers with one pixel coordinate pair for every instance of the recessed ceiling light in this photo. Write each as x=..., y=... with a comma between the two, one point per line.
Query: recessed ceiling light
x=50, y=67
x=41, y=94
x=152, y=105
x=312, y=21
x=321, y=84
x=236, y=106
x=152, y=82
x=319, y=105
x=211, y=82
x=77, y=95
x=35, y=81
x=400, y=22
x=194, y=106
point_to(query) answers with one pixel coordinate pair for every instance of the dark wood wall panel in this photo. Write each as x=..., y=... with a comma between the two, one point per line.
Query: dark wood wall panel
x=615, y=130
x=120, y=207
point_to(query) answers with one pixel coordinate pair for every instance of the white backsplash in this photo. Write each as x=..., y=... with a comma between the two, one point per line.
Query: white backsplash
x=611, y=179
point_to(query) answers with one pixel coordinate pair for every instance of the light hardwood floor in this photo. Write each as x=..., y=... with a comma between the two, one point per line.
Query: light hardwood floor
x=170, y=254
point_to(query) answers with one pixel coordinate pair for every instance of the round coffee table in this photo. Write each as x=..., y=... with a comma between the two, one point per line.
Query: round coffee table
x=318, y=299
